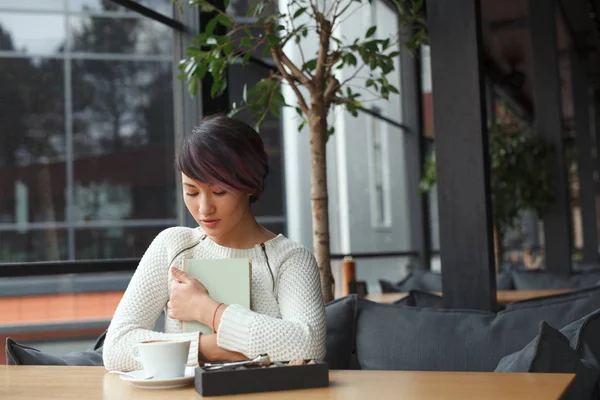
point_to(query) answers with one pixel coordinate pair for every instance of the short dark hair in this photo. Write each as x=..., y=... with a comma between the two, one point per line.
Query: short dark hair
x=226, y=152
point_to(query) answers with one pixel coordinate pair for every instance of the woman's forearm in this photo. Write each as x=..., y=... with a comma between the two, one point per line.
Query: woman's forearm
x=208, y=350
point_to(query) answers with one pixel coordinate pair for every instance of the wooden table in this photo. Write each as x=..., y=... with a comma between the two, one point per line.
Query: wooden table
x=503, y=296
x=44, y=382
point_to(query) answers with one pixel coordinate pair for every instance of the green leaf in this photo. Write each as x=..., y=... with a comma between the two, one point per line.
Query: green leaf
x=207, y=7
x=302, y=125
x=224, y=20
x=245, y=93
x=371, y=31
x=210, y=27
x=350, y=59
x=393, y=89
x=310, y=65
x=330, y=132
x=193, y=87
x=299, y=12
x=275, y=110
x=246, y=57
x=245, y=42
x=273, y=40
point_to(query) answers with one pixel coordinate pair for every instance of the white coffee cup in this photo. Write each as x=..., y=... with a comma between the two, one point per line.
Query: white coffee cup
x=162, y=359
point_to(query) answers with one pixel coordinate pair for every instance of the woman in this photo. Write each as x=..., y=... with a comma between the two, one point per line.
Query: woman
x=223, y=165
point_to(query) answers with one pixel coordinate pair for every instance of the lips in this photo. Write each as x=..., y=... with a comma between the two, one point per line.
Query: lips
x=209, y=223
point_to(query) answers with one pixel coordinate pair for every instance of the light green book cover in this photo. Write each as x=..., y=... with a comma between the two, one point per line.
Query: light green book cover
x=227, y=280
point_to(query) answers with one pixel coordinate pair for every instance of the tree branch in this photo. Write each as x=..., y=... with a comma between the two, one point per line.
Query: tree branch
x=283, y=60
x=324, y=35
x=293, y=30
x=353, y=75
x=276, y=53
x=341, y=100
x=332, y=89
x=296, y=72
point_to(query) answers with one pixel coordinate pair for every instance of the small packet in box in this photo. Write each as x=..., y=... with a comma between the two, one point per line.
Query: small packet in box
x=298, y=374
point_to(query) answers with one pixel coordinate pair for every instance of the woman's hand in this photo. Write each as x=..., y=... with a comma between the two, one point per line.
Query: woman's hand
x=189, y=299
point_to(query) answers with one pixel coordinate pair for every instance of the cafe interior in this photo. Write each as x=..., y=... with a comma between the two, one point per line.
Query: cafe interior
x=486, y=286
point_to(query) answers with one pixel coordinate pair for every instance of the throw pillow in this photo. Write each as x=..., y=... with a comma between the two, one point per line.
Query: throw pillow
x=550, y=352
x=18, y=354
x=340, y=315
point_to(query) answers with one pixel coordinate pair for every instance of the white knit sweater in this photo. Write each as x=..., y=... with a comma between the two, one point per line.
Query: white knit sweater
x=286, y=320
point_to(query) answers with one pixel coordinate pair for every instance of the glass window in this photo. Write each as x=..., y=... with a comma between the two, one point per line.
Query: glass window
x=32, y=33
x=271, y=203
x=241, y=7
x=274, y=227
x=32, y=158
x=164, y=7
x=380, y=205
x=28, y=245
x=87, y=141
x=116, y=242
x=33, y=4
x=123, y=140
x=119, y=36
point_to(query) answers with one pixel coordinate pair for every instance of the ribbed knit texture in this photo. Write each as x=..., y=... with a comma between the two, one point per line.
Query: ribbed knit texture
x=286, y=320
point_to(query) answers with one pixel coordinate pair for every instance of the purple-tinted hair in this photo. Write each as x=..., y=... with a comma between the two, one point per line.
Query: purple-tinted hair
x=226, y=152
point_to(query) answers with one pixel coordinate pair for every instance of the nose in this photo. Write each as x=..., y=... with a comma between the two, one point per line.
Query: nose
x=206, y=206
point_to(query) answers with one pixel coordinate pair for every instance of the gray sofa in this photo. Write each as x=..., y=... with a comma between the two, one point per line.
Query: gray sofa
x=389, y=336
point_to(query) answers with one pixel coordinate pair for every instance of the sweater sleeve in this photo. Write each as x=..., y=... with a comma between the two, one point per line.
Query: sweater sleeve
x=141, y=305
x=301, y=330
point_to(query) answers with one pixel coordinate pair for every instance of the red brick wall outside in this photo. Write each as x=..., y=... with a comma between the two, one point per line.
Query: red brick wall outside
x=55, y=309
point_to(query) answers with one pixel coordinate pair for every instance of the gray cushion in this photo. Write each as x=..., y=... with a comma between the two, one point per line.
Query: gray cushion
x=504, y=281
x=577, y=295
x=389, y=337
x=406, y=301
x=584, y=337
x=550, y=352
x=427, y=281
x=341, y=317
x=579, y=267
x=426, y=299
x=18, y=354
x=389, y=287
x=538, y=280
x=510, y=266
x=417, y=279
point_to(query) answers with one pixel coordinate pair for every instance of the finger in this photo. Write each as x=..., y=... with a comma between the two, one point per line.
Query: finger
x=180, y=275
x=174, y=284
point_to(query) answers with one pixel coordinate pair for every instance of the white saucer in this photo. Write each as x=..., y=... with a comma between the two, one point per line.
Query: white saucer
x=187, y=379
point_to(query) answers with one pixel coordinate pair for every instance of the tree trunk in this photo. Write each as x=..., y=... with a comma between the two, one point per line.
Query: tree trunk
x=498, y=249
x=317, y=121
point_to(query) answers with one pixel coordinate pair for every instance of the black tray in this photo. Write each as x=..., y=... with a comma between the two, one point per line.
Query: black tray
x=257, y=379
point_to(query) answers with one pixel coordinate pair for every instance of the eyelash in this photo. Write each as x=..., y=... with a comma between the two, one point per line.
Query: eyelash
x=215, y=193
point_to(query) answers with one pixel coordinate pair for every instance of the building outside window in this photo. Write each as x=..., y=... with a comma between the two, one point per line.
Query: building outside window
x=87, y=130
x=86, y=104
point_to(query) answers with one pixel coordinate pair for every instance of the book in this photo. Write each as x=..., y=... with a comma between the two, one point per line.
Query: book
x=227, y=280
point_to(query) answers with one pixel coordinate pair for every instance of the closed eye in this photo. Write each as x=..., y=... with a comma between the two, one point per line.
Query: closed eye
x=191, y=194
x=221, y=193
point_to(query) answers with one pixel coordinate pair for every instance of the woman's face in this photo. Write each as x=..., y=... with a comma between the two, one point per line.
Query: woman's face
x=217, y=212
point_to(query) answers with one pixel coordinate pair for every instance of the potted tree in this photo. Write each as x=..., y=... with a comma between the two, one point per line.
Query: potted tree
x=518, y=177
x=314, y=81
